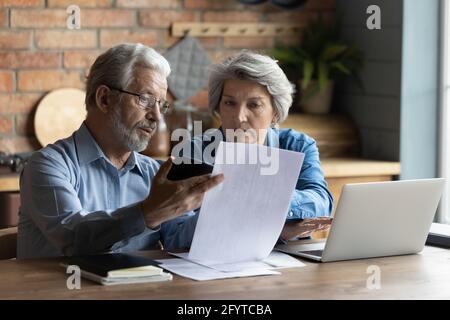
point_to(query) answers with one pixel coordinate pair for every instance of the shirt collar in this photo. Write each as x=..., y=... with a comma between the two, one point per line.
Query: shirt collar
x=133, y=162
x=272, y=138
x=88, y=150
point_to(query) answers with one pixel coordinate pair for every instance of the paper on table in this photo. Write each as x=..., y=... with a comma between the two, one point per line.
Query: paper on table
x=276, y=260
x=279, y=260
x=241, y=219
x=197, y=272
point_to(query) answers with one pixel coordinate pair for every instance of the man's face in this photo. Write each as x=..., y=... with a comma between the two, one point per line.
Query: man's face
x=133, y=124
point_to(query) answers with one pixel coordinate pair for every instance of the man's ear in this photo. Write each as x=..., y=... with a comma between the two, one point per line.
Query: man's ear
x=102, y=98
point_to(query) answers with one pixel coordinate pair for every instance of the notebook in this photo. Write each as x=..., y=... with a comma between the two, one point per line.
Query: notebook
x=119, y=268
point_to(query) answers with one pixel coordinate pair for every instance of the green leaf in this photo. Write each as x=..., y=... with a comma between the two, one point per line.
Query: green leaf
x=321, y=56
x=332, y=51
x=285, y=56
x=340, y=66
x=312, y=90
x=308, y=69
x=323, y=75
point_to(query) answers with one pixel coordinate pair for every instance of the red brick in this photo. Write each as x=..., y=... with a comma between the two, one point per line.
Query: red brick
x=45, y=18
x=289, y=40
x=207, y=42
x=300, y=17
x=320, y=5
x=80, y=59
x=80, y=3
x=15, y=39
x=164, y=18
x=148, y=4
x=13, y=145
x=25, y=124
x=6, y=81
x=231, y=16
x=46, y=80
x=26, y=59
x=109, y=38
x=208, y=4
x=107, y=18
x=18, y=103
x=220, y=55
x=22, y=3
x=227, y=4
x=248, y=42
x=3, y=18
x=6, y=124
x=55, y=39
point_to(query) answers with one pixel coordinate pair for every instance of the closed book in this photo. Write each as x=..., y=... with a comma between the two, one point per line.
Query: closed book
x=116, y=268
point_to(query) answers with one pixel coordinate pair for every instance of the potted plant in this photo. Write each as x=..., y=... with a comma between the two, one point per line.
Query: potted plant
x=320, y=59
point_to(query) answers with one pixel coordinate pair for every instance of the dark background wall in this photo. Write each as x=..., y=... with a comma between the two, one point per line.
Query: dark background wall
x=375, y=110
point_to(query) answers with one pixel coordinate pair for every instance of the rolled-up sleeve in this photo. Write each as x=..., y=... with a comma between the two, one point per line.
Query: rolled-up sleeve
x=179, y=232
x=50, y=200
x=311, y=197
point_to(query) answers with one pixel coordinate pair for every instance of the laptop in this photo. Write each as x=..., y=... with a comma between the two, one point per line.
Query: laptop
x=376, y=220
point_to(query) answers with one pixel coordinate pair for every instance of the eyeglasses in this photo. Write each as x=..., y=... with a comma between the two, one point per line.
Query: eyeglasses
x=147, y=101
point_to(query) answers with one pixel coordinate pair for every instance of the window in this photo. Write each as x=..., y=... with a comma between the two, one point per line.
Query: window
x=444, y=134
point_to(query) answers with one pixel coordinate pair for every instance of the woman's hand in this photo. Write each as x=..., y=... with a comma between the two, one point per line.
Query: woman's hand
x=305, y=227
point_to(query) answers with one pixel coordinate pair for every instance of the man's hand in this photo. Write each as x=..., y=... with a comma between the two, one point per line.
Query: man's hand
x=170, y=199
x=305, y=227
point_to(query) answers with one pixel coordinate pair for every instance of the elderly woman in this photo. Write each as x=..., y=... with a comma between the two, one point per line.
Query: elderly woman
x=249, y=91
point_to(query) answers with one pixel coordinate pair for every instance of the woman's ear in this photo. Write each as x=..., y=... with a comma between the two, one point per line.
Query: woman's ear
x=275, y=119
x=102, y=98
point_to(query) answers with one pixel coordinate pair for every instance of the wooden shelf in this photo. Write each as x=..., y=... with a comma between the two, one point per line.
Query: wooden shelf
x=226, y=29
x=354, y=167
x=335, y=134
x=9, y=182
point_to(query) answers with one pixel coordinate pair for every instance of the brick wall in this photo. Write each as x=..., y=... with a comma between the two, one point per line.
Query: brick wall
x=38, y=53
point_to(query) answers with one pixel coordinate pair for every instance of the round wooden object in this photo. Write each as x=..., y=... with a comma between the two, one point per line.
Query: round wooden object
x=59, y=114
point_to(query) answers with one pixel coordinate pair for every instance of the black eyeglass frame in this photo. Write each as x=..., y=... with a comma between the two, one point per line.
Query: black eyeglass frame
x=164, y=105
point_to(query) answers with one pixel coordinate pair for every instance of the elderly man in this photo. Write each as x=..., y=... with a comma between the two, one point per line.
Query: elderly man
x=93, y=192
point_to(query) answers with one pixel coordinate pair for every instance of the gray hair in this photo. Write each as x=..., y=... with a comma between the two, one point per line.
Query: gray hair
x=116, y=67
x=247, y=65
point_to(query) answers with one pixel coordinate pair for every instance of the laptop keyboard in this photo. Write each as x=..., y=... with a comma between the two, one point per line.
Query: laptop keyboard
x=317, y=253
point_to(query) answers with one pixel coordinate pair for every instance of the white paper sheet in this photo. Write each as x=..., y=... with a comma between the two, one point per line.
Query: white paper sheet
x=197, y=272
x=241, y=219
x=276, y=260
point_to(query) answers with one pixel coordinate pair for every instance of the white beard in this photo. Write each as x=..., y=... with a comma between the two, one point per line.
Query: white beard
x=132, y=138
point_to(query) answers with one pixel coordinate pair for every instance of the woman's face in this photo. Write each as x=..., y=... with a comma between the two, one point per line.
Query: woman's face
x=246, y=105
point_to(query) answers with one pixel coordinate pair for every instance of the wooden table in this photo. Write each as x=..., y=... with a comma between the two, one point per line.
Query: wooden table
x=421, y=276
